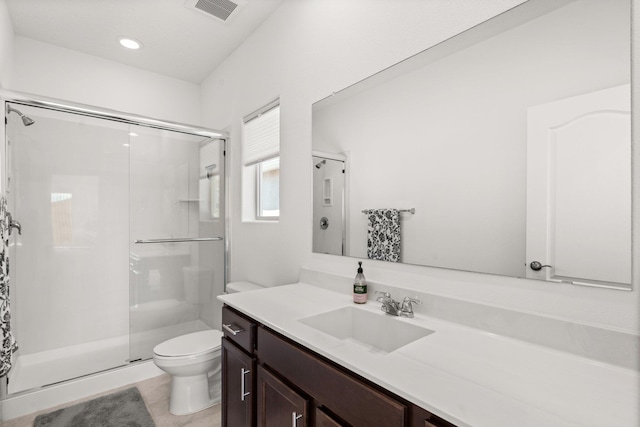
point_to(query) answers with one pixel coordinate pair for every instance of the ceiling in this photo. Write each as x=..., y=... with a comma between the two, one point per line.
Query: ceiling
x=178, y=40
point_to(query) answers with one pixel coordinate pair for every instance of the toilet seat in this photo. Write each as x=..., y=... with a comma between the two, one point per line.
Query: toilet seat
x=189, y=345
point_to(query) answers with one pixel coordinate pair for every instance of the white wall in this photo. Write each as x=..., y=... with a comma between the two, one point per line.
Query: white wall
x=302, y=53
x=48, y=70
x=6, y=45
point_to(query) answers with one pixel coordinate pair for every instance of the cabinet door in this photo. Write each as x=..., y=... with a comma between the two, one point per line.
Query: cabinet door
x=278, y=404
x=324, y=420
x=352, y=400
x=238, y=370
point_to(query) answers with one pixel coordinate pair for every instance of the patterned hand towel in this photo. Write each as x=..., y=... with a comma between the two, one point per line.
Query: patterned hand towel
x=383, y=234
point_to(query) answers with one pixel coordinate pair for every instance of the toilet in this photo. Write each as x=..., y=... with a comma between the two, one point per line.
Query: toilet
x=193, y=360
x=190, y=359
x=233, y=287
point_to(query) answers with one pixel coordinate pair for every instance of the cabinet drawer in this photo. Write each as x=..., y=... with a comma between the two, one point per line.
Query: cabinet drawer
x=239, y=329
x=350, y=399
x=423, y=418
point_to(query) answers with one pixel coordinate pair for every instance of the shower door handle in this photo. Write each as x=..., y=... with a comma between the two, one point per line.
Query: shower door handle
x=13, y=224
x=16, y=225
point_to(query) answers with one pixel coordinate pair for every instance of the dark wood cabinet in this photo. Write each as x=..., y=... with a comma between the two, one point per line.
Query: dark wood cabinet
x=325, y=420
x=423, y=418
x=357, y=402
x=269, y=380
x=238, y=386
x=278, y=404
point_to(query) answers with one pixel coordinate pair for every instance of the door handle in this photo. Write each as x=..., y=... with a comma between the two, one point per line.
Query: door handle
x=230, y=328
x=294, y=418
x=243, y=392
x=537, y=266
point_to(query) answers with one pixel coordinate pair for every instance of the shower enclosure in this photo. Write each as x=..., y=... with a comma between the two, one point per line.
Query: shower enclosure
x=118, y=241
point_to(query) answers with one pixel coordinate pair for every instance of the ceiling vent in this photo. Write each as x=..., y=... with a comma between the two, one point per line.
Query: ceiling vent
x=219, y=9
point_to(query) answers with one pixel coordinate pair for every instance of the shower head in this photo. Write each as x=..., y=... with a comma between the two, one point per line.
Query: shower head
x=319, y=165
x=26, y=120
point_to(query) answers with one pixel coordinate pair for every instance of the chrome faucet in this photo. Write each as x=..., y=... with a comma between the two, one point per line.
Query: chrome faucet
x=394, y=308
x=389, y=305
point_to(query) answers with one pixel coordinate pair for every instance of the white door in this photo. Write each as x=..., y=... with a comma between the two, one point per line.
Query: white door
x=579, y=188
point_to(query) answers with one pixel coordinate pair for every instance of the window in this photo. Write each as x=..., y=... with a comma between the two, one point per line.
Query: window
x=262, y=159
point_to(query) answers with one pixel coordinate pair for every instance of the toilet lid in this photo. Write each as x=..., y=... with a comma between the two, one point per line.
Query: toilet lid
x=190, y=344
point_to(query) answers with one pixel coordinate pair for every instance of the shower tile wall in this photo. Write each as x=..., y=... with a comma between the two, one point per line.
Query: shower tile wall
x=69, y=268
x=70, y=186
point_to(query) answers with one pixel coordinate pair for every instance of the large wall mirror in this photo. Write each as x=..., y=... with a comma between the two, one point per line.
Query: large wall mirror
x=503, y=150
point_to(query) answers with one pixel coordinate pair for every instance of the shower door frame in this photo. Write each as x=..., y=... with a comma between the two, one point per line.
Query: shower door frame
x=117, y=116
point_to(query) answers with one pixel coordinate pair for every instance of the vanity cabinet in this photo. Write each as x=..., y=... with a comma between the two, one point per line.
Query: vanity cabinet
x=324, y=420
x=423, y=418
x=351, y=399
x=289, y=385
x=238, y=370
x=278, y=404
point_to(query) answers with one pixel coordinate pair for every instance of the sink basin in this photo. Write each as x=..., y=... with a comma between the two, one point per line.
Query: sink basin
x=378, y=332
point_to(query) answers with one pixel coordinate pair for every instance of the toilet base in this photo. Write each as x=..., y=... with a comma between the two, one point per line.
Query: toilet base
x=189, y=394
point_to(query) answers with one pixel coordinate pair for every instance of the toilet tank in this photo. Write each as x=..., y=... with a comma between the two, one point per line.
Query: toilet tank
x=233, y=287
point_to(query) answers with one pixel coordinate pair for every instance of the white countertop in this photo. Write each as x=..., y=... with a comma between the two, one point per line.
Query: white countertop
x=466, y=376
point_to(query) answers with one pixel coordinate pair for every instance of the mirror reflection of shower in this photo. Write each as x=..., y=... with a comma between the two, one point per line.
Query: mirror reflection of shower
x=329, y=184
x=26, y=120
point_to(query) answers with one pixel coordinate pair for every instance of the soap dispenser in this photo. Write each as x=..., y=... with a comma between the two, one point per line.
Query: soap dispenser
x=360, y=286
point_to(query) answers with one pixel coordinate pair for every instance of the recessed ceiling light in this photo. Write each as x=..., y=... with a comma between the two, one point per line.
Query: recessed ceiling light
x=130, y=43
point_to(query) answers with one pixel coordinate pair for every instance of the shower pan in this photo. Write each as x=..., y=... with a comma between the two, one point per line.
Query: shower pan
x=118, y=240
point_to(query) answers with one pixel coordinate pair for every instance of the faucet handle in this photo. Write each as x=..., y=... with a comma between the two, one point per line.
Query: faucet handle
x=407, y=308
x=384, y=294
x=409, y=300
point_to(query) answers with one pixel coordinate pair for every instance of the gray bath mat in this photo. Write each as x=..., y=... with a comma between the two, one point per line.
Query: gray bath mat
x=122, y=409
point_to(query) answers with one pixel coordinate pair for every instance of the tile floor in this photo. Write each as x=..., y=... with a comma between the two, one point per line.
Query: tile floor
x=155, y=392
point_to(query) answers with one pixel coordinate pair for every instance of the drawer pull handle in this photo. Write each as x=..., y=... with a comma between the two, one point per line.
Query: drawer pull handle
x=294, y=419
x=243, y=393
x=230, y=328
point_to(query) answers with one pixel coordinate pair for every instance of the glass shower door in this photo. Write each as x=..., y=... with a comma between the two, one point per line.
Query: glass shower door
x=177, y=228
x=68, y=186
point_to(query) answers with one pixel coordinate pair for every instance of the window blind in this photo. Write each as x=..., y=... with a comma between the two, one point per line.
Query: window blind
x=262, y=135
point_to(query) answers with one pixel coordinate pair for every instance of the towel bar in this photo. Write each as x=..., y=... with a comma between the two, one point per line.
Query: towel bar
x=411, y=211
